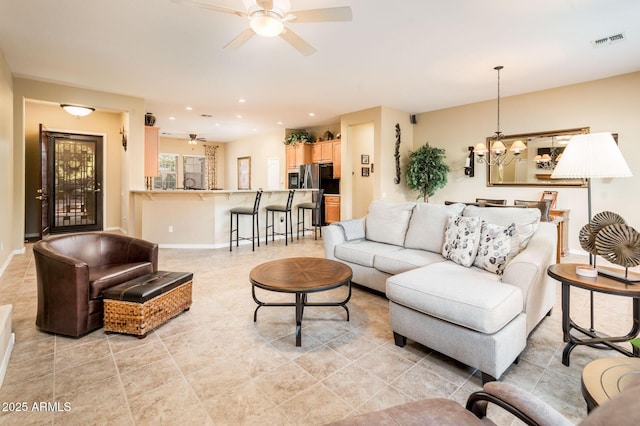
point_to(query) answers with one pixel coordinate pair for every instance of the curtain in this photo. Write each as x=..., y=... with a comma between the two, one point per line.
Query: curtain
x=211, y=164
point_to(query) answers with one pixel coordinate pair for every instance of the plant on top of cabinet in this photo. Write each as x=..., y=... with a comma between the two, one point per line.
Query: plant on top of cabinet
x=294, y=137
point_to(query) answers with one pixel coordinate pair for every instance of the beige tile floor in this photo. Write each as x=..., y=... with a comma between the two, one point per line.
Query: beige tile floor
x=214, y=365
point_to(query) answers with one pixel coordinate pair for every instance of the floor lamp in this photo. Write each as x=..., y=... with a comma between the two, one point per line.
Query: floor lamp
x=588, y=156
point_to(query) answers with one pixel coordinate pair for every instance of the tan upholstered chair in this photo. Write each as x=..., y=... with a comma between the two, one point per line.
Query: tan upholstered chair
x=544, y=206
x=621, y=410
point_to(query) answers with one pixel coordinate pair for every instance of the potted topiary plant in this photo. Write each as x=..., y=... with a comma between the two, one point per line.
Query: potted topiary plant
x=427, y=171
x=295, y=137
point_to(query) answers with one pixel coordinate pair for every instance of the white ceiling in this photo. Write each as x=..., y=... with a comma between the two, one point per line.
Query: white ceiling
x=411, y=55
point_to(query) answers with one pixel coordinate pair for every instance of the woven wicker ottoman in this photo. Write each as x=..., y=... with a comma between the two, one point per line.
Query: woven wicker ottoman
x=140, y=305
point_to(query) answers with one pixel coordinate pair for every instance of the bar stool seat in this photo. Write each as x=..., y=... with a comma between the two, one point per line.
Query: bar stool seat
x=288, y=221
x=255, y=228
x=316, y=215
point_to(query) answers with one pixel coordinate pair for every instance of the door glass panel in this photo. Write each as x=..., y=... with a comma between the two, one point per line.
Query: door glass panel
x=75, y=196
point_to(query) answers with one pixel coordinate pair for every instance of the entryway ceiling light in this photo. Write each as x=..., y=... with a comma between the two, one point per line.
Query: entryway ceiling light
x=77, y=110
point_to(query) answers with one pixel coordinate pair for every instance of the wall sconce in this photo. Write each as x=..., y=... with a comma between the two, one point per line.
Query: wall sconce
x=124, y=139
x=77, y=110
x=469, y=165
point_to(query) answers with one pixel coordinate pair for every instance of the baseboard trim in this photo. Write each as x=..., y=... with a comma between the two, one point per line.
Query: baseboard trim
x=5, y=265
x=6, y=357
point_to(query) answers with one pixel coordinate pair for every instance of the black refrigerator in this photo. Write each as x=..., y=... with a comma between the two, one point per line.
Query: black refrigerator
x=319, y=176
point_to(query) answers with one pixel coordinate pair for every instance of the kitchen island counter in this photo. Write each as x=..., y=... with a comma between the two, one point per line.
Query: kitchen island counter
x=198, y=218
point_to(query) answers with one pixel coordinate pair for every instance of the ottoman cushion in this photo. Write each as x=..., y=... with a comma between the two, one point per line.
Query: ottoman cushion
x=147, y=287
x=474, y=302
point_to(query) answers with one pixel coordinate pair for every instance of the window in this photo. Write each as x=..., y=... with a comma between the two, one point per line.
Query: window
x=194, y=172
x=168, y=166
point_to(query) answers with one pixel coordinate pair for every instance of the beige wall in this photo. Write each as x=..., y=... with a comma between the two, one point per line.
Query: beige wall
x=361, y=142
x=7, y=212
x=54, y=118
x=383, y=120
x=608, y=105
x=259, y=148
x=31, y=90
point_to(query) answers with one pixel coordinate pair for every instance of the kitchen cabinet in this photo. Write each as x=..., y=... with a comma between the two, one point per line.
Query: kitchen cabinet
x=337, y=159
x=331, y=208
x=297, y=155
x=151, y=148
x=322, y=152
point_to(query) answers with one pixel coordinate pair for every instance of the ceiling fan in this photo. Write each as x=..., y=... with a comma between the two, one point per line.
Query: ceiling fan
x=193, y=139
x=267, y=19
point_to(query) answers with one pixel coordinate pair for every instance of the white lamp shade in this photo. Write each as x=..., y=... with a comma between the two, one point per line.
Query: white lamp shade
x=498, y=147
x=518, y=146
x=591, y=155
x=480, y=149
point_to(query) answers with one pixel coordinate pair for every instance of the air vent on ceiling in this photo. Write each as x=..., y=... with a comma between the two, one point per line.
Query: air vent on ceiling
x=606, y=41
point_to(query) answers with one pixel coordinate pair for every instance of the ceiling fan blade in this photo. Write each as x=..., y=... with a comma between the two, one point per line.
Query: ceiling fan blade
x=330, y=14
x=240, y=39
x=215, y=8
x=296, y=41
x=265, y=4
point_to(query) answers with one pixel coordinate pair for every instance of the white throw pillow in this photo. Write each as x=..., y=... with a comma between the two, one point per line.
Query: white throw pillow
x=498, y=245
x=526, y=220
x=388, y=222
x=426, y=228
x=461, y=239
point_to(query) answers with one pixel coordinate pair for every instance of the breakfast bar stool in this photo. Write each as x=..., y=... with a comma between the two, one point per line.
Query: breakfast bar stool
x=288, y=221
x=255, y=229
x=315, y=207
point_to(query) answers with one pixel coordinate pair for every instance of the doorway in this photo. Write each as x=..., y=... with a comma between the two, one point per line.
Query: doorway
x=73, y=181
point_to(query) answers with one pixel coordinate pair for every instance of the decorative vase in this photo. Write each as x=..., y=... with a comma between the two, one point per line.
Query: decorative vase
x=149, y=119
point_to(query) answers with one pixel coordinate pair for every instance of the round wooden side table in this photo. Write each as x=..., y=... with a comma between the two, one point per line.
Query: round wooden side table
x=605, y=378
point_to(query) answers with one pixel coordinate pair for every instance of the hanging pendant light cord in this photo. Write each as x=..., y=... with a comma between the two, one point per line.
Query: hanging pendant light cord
x=498, y=68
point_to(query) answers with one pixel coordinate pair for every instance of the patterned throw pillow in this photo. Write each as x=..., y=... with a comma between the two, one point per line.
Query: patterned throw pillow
x=498, y=245
x=461, y=239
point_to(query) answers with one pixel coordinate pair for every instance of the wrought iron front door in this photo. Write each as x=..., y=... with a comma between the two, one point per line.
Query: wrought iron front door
x=76, y=169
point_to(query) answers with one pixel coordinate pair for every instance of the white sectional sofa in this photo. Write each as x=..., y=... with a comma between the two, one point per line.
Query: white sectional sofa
x=480, y=314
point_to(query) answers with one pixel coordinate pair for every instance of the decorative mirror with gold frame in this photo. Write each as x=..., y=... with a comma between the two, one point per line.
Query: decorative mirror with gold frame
x=536, y=163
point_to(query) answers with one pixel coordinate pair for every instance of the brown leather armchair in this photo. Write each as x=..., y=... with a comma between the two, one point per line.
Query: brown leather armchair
x=74, y=269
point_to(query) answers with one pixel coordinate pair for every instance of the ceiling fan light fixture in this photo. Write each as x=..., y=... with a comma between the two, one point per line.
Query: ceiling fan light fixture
x=265, y=25
x=77, y=110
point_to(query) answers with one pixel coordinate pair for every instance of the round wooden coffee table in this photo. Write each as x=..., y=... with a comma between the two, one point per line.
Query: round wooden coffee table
x=300, y=275
x=605, y=378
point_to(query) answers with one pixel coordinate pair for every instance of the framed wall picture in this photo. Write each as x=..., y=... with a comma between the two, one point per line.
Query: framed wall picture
x=364, y=159
x=365, y=171
x=244, y=172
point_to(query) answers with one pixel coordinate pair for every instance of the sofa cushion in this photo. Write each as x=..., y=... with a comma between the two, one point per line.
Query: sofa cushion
x=461, y=239
x=526, y=220
x=498, y=245
x=478, y=300
x=426, y=228
x=388, y=222
x=362, y=252
x=396, y=262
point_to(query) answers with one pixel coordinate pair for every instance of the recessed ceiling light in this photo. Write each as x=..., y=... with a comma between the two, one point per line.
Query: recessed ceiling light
x=217, y=124
x=279, y=123
x=188, y=108
x=172, y=118
x=312, y=114
x=241, y=101
x=238, y=116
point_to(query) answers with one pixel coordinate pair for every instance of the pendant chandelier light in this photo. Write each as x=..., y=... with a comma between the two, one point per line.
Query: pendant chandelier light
x=497, y=155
